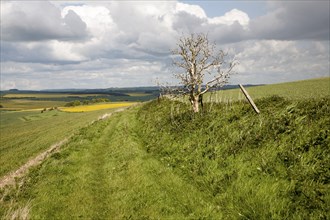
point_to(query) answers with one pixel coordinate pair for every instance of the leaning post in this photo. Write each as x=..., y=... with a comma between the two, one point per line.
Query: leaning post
x=249, y=99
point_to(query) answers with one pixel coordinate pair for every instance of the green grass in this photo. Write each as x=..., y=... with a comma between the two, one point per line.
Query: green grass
x=275, y=165
x=25, y=134
x=45, y=95
x=104, y=173
x=23, y=104
x=161, y=161
x=305, y=89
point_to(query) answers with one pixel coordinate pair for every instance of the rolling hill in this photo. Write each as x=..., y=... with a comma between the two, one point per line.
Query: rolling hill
x=158, y=160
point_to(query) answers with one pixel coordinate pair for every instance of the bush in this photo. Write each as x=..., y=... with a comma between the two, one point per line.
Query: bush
x=86, y=102
x=72, y=104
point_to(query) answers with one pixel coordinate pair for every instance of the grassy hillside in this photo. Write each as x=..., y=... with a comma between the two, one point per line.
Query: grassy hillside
x=306, y=89
x=25, y=134
x=275, y=165
x=105, y=173
x=160, y=161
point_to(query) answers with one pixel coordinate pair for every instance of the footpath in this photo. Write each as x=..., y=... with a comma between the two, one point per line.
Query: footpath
x=105, y=173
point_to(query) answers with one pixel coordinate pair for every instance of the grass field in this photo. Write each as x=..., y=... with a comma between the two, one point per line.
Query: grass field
x=275, y=165
x=45, y=95
x=23, y=104
x=104, y=173
x=21, y=100
x=305, y=89
x=25, y=134
x=137, y=94
x=87, y=108
x=160, y=161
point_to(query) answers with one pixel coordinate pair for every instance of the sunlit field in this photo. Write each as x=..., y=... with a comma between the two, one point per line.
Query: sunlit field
x=305, y=89
x=24, y=104
x=88, y=108
x=45, y=95
x=137, y=94
x=158, y=160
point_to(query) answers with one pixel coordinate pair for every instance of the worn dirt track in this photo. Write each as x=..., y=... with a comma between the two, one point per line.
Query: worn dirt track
x=9, y=179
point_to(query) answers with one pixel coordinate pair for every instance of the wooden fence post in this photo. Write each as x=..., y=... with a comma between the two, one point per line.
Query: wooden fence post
x=249, y=99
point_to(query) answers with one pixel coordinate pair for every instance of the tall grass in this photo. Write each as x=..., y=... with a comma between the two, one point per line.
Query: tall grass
x=105, y=173
x=275, y=165
x=161, y=161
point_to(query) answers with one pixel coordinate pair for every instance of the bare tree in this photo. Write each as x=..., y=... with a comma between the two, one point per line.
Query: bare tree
x=203, y=67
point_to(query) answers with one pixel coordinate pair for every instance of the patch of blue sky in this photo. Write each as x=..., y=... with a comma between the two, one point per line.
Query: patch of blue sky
x=218, y=8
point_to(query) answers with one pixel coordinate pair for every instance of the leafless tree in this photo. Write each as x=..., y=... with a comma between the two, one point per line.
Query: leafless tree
x=203, y=67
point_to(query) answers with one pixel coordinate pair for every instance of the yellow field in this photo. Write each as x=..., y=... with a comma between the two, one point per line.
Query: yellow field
x=88, y=108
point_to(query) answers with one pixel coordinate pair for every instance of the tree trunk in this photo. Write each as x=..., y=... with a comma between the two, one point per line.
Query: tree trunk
x=195, y=104
x=201, y=101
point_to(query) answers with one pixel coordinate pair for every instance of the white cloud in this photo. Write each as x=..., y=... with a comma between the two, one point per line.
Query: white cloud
x=97, y=18
x=294, y=20
x=37, y=21
x=190, y=9
x=64, y=51
x=273, y=61
x=81, y=44
x=230, y=17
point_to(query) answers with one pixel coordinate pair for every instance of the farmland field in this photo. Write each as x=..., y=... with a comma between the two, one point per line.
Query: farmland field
x=45, y=95
x=158, y=160
x=23, y=104
x=95, y=107
x=25, y=134
x=305, y=89
x=20, y=100
x=137, y=94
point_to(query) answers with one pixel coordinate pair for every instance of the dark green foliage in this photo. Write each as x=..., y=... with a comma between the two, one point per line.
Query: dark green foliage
x=74, y=103
x=275, y=165
x=86, y=102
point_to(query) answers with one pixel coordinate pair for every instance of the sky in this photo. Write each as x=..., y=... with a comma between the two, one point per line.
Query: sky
x=103, y=44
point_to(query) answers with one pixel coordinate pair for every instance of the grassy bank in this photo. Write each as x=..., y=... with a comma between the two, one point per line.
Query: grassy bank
x=269, y=166
x=160, y=161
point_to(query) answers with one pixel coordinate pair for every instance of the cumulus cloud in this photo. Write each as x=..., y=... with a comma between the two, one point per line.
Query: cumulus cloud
x=273, y=61
x=231, y=17
x=86, y=44
x=38, y=20
x=293, y=20
x=193, y=10
x=101, y=73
